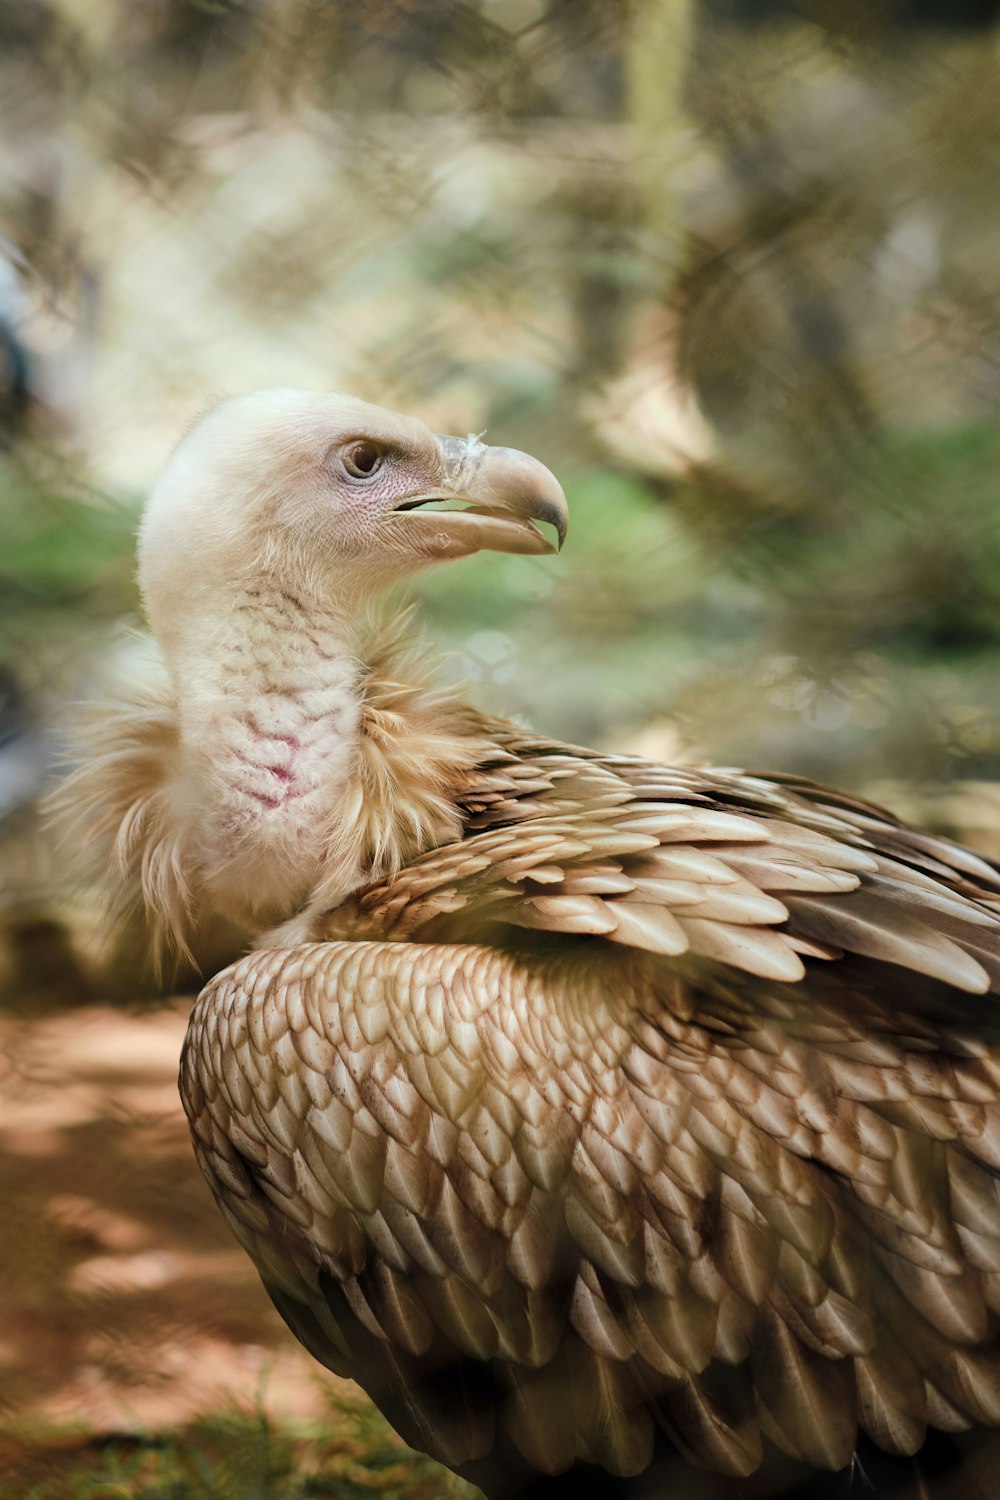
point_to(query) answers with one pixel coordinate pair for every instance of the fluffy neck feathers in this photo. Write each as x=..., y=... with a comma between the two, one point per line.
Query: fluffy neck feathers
x=277, y=780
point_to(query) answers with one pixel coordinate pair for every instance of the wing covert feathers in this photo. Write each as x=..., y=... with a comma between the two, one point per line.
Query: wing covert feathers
x=693, y=864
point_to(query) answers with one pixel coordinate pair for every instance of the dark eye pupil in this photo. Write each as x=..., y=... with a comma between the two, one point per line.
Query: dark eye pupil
x=363, y=459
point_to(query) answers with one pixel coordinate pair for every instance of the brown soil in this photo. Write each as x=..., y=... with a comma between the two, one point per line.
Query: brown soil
x=127, y=1305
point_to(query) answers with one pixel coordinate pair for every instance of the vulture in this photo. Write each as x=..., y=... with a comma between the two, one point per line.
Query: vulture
x=620, y=1128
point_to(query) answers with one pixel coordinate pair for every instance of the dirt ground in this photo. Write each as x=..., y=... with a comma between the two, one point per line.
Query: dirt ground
x=127, y=1305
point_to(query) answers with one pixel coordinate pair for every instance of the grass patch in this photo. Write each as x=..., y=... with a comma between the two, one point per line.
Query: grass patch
x=230, y=1456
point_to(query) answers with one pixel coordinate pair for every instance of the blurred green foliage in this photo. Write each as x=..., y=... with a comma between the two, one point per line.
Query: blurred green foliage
x=856, y=640
x=65, y=567
x=734, y=281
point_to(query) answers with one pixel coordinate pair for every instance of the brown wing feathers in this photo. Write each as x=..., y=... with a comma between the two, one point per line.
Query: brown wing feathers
x=727, y=867
x=722, y=1159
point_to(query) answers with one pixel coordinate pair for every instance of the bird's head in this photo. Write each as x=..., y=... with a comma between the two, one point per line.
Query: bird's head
x=331, y=495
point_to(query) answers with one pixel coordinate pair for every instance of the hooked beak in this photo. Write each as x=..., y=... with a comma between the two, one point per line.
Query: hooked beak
x=504, y=493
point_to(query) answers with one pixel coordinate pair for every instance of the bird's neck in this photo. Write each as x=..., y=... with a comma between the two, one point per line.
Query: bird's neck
x=310, y=758
x=269, y=708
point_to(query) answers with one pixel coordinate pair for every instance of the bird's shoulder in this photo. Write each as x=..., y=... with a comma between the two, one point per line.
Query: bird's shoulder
x=759, y=873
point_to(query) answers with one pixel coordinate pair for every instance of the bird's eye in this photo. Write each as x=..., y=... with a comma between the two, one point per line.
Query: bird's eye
x=361, y=460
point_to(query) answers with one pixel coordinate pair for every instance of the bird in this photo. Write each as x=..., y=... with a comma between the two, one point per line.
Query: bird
x=620, y=1128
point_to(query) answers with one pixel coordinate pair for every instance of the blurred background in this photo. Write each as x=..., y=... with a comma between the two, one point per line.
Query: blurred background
x=728, y=266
